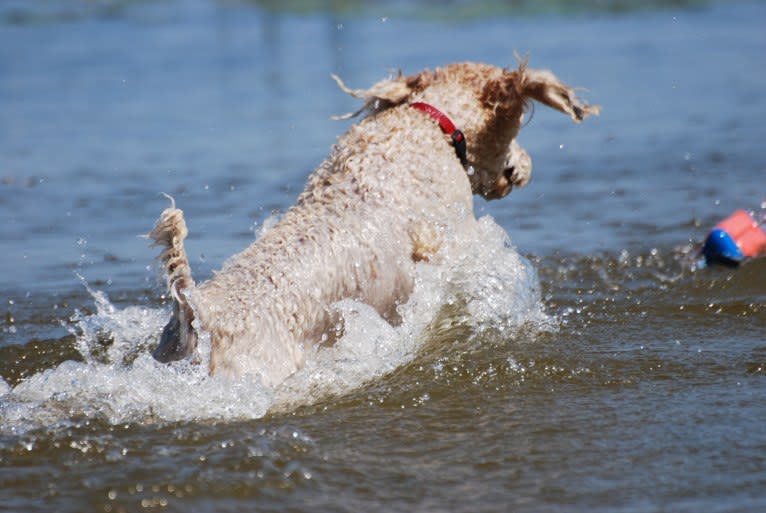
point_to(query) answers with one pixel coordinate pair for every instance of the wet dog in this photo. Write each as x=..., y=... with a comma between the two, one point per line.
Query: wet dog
x=393, y=190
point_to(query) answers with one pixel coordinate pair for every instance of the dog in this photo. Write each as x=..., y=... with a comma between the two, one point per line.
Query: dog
x=388, y=196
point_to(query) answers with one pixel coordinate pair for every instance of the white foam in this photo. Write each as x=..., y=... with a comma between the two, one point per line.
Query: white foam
x=483, y=284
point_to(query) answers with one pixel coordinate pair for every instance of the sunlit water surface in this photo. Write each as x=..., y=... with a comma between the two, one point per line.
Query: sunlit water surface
x=569, y=357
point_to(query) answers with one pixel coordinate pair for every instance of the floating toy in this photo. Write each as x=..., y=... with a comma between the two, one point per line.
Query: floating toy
x=734, y=240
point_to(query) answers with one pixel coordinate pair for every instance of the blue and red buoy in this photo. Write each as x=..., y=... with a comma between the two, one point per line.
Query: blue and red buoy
x=734, y=240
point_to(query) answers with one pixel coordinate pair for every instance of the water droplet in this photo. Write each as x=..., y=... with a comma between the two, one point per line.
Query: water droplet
x=470, y=171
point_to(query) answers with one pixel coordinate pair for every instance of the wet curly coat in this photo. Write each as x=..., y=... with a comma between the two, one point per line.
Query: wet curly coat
x=389, y=195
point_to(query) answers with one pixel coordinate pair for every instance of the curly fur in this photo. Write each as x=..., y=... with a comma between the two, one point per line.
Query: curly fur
x=385, y=198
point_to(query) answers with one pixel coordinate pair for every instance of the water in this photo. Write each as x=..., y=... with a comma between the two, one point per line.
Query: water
x=597, y=372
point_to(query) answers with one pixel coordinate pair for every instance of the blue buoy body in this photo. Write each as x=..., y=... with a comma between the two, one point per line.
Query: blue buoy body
x=720, y=247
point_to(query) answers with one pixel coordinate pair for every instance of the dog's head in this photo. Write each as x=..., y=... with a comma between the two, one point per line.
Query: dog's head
x=487, y=103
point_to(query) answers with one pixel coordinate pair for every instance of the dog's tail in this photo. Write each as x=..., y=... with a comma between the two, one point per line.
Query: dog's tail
x=178, y=339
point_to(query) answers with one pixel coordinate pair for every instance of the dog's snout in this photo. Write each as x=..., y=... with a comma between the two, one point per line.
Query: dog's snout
x=502, y=184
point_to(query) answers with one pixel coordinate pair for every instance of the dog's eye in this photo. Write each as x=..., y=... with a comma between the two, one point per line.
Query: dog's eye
x=508, y=172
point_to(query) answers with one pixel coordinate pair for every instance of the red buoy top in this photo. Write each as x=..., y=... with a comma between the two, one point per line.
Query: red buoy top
x=746, y=232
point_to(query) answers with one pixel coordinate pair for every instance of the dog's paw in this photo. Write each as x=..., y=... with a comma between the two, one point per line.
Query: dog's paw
x=426, y=241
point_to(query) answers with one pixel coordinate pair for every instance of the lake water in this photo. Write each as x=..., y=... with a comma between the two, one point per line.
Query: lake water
x=599, y=371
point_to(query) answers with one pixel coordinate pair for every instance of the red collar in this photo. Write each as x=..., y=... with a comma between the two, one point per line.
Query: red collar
x=448, y=127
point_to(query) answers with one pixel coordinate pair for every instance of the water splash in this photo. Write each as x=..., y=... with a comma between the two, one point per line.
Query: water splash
x=482, y=284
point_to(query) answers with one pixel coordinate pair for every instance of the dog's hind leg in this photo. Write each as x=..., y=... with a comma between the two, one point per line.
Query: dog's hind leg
x=178, y=339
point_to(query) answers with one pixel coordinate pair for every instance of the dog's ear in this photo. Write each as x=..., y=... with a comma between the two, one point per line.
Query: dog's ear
x=543, y=86
x=384, y=94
